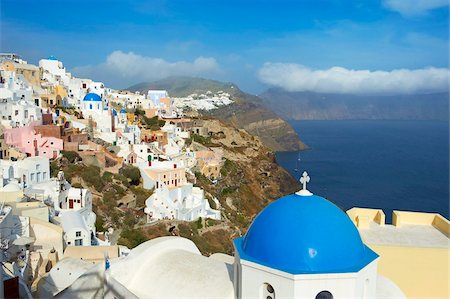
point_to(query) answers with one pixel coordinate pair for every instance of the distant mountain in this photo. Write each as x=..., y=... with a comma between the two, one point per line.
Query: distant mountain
x=183, y=86
x=247, y=111
x=309, y=105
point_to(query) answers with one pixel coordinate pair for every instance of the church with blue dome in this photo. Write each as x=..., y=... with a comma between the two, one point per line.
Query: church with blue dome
x=92, y=102
x=301, y=245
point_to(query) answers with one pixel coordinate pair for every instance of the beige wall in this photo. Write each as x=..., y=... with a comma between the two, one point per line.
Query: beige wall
x=10, y=197
x=400, y=218
x=419, y=272
x=171, y=177
x=33, y=209
x=47, y=236
x=94, y=254
x=362, y=216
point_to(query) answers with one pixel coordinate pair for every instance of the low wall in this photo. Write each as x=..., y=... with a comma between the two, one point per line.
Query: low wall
x=361, y=217
x=400, y=218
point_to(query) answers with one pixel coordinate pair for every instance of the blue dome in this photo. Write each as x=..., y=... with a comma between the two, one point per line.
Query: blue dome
x=92, y=97
x=114, y=112
x=304, y=235
x=123, y=111
x=52, y=58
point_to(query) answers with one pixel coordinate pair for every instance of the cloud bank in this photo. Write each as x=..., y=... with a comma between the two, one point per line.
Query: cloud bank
x=414, y=7
x=124, y=69
x=295, y=77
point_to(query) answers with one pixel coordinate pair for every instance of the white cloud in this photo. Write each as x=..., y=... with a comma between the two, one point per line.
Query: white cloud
x=295, y=77
x=124, y=69
x=414, y=7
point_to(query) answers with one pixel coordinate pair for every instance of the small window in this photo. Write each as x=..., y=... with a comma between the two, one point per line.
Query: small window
x=268, y=291
x=78, y=234
x=324, y=295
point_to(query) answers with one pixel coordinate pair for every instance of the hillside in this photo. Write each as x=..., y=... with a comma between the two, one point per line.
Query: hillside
x=247, y=111
x=317, y=106
x=251, y=179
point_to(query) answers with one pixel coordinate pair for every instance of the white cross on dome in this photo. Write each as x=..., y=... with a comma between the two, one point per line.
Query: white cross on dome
x=304, y=180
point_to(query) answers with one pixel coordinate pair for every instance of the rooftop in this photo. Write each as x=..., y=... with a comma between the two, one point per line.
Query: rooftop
x=406, y=235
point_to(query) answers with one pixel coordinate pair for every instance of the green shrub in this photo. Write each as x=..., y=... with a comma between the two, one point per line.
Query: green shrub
x=99, y=224
x=91, y=175
x=109, y=199
x=119, y=190
x=54, y=168
x=122, y=179
x=199, y=223
x=141, y=195
x=107, y=176
x=132, y=174
x=212, y=203
x=132, y=237
x=71, y=156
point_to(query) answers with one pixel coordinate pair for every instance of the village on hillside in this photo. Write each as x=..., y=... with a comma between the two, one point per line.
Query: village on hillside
x=72, y=147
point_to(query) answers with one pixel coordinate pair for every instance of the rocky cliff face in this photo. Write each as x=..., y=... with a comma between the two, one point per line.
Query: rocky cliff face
x=247, y=112
x=274, y=132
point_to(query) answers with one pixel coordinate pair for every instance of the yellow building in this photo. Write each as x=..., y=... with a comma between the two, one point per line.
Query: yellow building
x=30, y=72
x=53, y=96
x=414, y=250
x=209, y=164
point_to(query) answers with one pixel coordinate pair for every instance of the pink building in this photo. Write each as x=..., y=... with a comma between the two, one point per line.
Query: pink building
x=27, y=141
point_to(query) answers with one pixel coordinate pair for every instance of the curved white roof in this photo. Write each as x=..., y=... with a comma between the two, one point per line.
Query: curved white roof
x=172, y=267
x=11, y=187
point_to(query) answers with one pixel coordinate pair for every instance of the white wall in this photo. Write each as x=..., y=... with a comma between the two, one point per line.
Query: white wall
x=341, y=285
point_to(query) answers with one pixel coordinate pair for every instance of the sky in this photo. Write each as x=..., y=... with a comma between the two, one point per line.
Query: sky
x=337, y=46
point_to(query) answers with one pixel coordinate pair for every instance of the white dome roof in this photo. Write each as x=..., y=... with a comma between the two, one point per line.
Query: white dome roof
x=11, y=187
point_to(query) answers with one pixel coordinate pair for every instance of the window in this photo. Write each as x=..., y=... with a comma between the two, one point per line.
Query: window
x=16, y=112
x=79, y=242
x=324, y=295
x=268, y=291
x=77, y=234
x=44, y=175
x=38, y=166
x=32, y=177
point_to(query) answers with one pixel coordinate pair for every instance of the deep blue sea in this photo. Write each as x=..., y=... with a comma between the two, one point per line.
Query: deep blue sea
x=392, y=165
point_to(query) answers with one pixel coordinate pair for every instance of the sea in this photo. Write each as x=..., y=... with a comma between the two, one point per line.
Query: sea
x=390, y=165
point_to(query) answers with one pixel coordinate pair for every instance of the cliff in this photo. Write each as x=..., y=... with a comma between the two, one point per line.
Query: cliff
x=247, y=112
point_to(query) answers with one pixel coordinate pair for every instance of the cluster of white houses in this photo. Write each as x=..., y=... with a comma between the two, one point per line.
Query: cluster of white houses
x=43, y=217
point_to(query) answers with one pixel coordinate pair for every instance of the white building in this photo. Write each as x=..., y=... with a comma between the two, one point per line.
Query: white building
x=300, y=246
x=17, y=108
x=185, y=203
x=156, y=95
x=174, y=197
x=54, y=71
x=26, y=172
x=76, y=231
